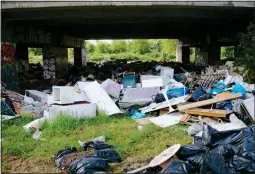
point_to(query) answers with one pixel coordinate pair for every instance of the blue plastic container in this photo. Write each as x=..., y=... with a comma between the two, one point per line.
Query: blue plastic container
x=129, y=82
x=239, y=89
x=177, y=92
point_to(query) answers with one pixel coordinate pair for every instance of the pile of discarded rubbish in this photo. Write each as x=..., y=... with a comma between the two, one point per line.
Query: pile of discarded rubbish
x=217, y=104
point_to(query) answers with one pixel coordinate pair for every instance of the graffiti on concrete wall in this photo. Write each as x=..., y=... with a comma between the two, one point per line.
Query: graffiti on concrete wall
x=49, y=61
x=7, y=53
x=9, y=74
x=31, y=35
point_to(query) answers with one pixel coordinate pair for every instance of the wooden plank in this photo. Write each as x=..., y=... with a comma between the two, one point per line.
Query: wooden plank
x=208, y=112
x=163, y=111
x=209, y=101
x=185, y=118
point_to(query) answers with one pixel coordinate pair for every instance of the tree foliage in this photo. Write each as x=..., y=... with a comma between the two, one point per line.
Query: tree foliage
x=118, y=46
x=102, y=47
x=227, y=52
x=246, y=53
x=35, y=51
x=141, y=46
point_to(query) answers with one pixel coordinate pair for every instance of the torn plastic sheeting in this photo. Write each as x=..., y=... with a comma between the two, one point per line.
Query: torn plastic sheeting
x=112, y=88
x=167, y=120
x=99, y=96
x=36, y=124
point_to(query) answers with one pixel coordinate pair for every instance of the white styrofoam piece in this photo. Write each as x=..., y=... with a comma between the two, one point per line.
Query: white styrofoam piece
x=167, y=71
x=165, y=104
x=147, y=77
x=49, y=99
x=138, y=94
x=80, y=96
x=167, y=119
x=82, y=84
x=63, y=94
x=234, y=124
x=249, y=105
x=87, y=110
x=98, y=95
x=37, y=95
x=112, y=88
x=152, y=83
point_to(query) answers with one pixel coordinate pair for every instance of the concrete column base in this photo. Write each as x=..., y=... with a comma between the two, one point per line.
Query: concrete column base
x=55, y=62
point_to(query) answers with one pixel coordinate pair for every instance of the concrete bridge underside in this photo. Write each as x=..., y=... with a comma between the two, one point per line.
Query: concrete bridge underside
x=208, y=25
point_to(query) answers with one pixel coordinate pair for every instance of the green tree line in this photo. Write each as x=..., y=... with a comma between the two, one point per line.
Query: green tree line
x=140, y=49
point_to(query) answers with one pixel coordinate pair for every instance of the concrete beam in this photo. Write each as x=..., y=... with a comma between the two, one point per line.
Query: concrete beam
x=37, y=4
x=32, y=36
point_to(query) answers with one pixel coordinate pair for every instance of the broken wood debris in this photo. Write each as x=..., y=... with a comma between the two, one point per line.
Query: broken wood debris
x=209, y=101
x=208, y=112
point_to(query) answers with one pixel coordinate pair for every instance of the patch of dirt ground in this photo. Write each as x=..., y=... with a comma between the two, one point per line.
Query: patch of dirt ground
x=18, y=165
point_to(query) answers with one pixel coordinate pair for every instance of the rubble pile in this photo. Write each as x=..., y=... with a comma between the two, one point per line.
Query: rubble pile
x=216, y=102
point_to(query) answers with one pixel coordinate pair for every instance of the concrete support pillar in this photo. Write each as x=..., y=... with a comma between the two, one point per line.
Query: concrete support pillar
x=22, y=57
x=202, y=55
x=80, y=56
x=179, y=52
x=84, y=54
x=213, y=54
x=185, y=55
x=77, y=57
x=55, y=62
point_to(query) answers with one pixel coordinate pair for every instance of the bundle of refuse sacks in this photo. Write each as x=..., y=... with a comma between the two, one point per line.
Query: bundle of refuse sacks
x=217, y=152
x=94, y=158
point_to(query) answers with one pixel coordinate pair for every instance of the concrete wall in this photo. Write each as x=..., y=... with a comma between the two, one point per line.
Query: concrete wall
x=33, y=36
x=33, y=4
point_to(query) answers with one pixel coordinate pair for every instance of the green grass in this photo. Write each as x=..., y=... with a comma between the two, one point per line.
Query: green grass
x=120, y=131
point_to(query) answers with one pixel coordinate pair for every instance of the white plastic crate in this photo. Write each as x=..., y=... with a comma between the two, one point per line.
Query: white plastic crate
x=63, y=94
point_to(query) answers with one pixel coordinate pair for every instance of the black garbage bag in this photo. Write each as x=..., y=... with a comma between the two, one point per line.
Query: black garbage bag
x=96, y=145
x=110, y=154
x=218, y=160
x=189, y=150
x=61, y=155
x=151, y=170
x=200, y=94
x=89, y=164
x=224, y=152
x=64, y=152
x=177, y=166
